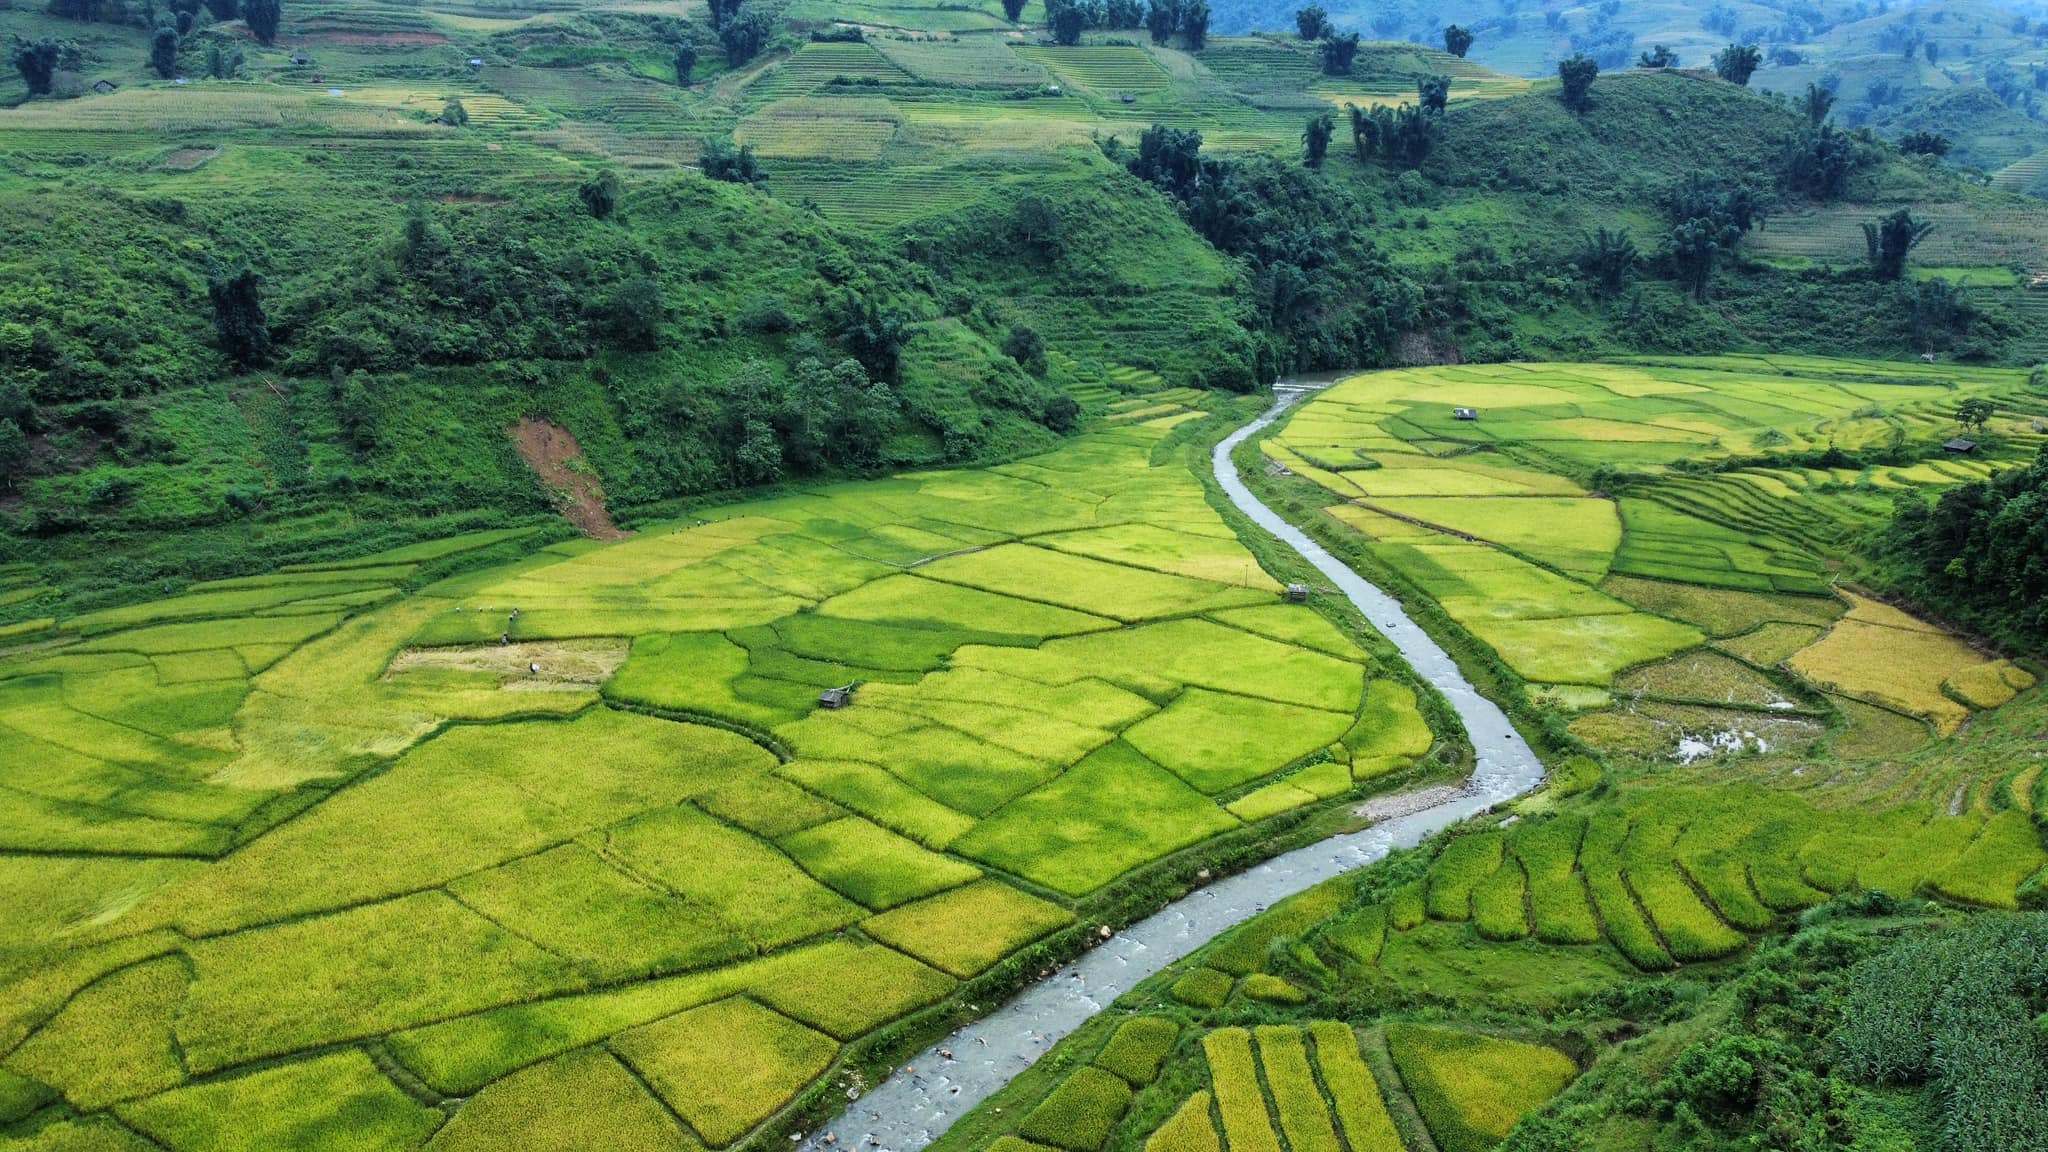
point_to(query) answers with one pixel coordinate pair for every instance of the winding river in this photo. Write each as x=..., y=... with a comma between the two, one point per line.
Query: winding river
x=916, y=1105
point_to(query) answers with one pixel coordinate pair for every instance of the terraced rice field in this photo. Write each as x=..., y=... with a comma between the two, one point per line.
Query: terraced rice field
x=1104, y=68
x=1981, y=236
x=1561, y=510
x=567, y=844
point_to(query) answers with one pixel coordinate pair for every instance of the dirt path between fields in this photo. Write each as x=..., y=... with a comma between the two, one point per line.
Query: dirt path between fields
x=916, y=1106
x=557, y=459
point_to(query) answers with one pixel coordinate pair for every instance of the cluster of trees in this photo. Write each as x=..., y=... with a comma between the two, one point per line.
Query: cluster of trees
x=1708, y=217
x=743, y=30
x=1189, y=18
x=1979, y=554
x=1070, y=18
x=39, y=61
x=1402, y=138
x=1737, y=63
x=817, y=416
x=1889, y=241
x=718, y=159
x=1325, y=295
x=1808, y=1044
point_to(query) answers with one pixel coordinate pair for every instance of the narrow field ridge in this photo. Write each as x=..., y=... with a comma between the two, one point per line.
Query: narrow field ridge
x=914, y=1107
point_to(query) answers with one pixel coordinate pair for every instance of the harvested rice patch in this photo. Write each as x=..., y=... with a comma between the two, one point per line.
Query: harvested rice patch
x=1471, y=1089
x=727, y=1066
x=1706, y=676
x=964, y=931
x=1769, y=645
x=581, y=662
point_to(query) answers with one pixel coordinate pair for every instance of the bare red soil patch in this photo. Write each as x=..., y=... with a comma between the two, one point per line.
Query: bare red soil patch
x=557, y=459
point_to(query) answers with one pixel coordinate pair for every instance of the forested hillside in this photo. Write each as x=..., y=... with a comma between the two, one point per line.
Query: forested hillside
x=267, y=285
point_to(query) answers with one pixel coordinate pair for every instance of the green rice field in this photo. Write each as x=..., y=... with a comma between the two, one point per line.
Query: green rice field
x=571, y=837
x=1461, y=995
x=1593, y=525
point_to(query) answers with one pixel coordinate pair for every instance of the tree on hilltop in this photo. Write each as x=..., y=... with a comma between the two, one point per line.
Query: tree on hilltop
x=1068, y=22
x=1161, y=18
x=263, y=18
x=1338, y=53
x=1737, y=63
x=1457, y=40
x=1659, y=57
x=1194, y=24
x=1578, y=72
x=685, y=62
x=1312, y=23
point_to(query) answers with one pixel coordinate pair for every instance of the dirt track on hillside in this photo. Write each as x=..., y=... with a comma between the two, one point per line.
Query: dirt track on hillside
x=557, y=459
